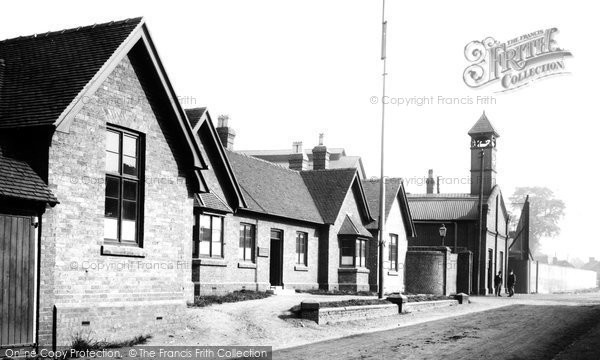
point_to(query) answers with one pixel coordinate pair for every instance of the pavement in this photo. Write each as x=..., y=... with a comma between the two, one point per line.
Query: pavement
x=565, y=326
x=268, y=322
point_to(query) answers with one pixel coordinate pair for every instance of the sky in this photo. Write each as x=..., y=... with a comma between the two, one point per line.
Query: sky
x=286, y=71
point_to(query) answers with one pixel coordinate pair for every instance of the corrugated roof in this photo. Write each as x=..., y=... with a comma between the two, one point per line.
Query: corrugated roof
x=44, y=73
x=273, y=190
x=444, y=207
x=328, y=189
x=483, y=126
x=19, y=181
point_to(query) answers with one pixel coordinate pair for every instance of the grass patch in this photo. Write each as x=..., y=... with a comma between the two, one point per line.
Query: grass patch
x=337, y=292
x=353, y=302
x=236, y=296
x=82, y=342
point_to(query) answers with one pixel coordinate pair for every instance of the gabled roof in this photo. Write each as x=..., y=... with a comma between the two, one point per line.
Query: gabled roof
x=273, y=190
x=204, y=128
x=329, y=189
x=47, y=77
x=394, y=189
x=195, y=115
x=483, y=126
x=45, y=72
x=353, y=227
x=444, y=206
x=19, y=181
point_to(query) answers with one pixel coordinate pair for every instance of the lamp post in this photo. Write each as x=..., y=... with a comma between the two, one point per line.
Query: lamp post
x=443, y=233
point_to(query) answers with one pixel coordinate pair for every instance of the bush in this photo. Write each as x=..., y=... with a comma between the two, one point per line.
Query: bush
x=82, y=342
x=236, y=296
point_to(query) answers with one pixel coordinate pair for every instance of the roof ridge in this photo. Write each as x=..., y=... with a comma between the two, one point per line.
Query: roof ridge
x=265, y=161
x=69, y=30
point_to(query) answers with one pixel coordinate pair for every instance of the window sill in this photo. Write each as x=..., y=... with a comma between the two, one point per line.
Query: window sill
x=246, y=265
x=300, y=268
x=209, y=262
x=359, y=270
x=392, y=273
x=122, y=250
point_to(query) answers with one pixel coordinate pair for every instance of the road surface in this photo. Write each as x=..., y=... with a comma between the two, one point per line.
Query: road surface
x=553, y=327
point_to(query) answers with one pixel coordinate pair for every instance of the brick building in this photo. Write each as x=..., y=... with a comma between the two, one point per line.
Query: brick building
x=399, y=227
x=137, y=205
x=459, y=213
x=308, y=228
x=104, y=130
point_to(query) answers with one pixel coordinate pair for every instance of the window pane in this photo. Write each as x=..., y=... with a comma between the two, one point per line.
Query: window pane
x=127, y=230
x=129, y=165
x=276, y=234
x=111, y=208
x=205, y=233
x=112, y=141
x=205, y=248
x=347, y=260
x=216, y=248
x=129, y=146
x=110, y=229
x=129, y=210
x=129, y=190
x=112, y=162
x=112, y=187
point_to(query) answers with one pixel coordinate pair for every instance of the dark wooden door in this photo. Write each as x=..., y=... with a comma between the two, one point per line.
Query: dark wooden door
x=276, y=261
x=17, y=278
x=490, y=271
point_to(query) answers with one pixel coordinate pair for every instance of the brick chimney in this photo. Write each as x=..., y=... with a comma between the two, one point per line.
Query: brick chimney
x=298, y=159
x=320, y=155
x=430, y=182
x=226, y=134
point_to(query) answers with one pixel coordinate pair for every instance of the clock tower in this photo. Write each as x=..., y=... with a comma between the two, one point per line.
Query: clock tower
x=483, y=142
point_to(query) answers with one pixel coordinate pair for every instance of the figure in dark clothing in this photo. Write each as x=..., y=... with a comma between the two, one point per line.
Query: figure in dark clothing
x=498, y=283
x=511, y=281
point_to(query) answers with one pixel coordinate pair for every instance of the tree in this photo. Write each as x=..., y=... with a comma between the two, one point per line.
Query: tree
x=545, y=211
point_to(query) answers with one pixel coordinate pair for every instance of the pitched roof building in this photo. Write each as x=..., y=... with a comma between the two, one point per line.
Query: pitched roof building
x=486, y=238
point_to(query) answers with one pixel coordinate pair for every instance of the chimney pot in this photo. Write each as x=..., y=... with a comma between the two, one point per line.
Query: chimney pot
x=430, y=182
x=226, y=134
x=320, y=155
x=298, y=160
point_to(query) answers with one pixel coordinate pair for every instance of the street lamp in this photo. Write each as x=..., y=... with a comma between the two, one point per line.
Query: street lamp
x=443, y=233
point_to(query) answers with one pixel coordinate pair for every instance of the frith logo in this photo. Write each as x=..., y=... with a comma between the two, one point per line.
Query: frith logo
x=515, y=63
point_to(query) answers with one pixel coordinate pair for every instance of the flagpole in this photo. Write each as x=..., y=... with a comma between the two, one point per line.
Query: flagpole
x=382, y=178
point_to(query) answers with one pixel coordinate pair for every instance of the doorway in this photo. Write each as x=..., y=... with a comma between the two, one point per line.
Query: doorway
x=18, y=281
x=276, y=258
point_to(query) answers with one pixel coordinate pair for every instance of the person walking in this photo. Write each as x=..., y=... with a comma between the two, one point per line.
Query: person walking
x=498, y=283
x=511, y=281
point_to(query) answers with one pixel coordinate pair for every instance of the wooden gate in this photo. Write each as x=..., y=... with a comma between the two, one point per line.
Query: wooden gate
x=17, y=278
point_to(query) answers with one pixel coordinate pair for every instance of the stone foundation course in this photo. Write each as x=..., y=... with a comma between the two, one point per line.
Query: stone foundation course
x=332, y=313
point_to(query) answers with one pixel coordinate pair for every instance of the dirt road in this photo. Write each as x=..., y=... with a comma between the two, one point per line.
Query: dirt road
x=519, y=331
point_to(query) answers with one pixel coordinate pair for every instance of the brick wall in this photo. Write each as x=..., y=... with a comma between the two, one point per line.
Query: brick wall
x=222, y=275
x=74, y=273
x=430, y=270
